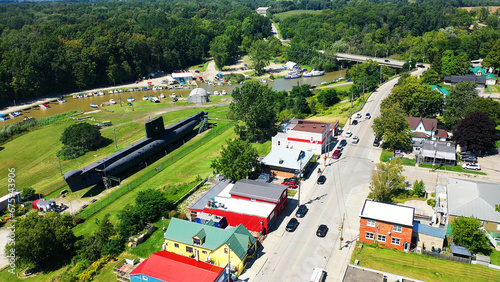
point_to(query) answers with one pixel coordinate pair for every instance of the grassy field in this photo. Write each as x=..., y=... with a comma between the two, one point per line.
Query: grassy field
x=456, y=168
x=421, y=267
x=284, y=15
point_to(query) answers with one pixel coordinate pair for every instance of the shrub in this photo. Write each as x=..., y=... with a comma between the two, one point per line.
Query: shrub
x=431, y=202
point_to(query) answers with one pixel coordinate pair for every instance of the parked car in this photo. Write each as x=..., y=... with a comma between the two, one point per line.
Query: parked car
x=336, y=154
x=386, y=60
x=358, y=115
x=354, y=122
x=355, y=140
x=472, y=166
x=368, y=116
x=321, y=179
x=343, y=142
x=322, y=230
x=292, y=224
x=290, y=184
x=340, y=147
x=348, y=134
x=301, y=212
x=469, y=159
x=420, y=66
x=376, y=142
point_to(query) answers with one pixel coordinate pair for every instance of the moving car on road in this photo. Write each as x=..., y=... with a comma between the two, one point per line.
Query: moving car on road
x=355, y=140
x=321, y=179
x=368, y=116
x=292, y=224
x=322, y=230
x=354, y=122
x=376, y=142
x=301, y=212
x=358, y=115
x=348, y=134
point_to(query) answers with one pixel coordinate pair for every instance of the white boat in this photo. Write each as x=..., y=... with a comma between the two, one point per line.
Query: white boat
x=101, y=93
x=44, y=106
x=90, y=94
x=155, y=100
x=130, y=90
x=162, y=95
x=4, y=117
x=216, y=93
x=131, y=99
x=155, y=87
x=173, y=95
x=61, y=101
x=120, y=91
x=110, y=92
x=93, y=105
x=224, y=92
x=313, y=73
x=116, y=92
x=144, y=98
x=85, y=95
x=160, y=87
x=15, y=114
x=292, y=75
x=75, y=96
x=112, y=101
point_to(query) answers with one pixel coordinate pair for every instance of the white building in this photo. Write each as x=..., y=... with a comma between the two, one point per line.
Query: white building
x=305, y=135
x=182, y=77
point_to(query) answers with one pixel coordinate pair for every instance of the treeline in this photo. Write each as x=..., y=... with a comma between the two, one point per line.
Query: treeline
x=56, y=47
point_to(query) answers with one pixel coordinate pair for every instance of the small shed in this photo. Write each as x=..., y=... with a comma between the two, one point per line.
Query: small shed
x=6, y=199
x=44, y=205
x=182, y=77
x=428, y=237
x=292, y=66
x=198, y=95
x=459, y=251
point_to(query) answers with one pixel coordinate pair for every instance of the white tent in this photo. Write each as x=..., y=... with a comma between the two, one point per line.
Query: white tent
x=198, y=95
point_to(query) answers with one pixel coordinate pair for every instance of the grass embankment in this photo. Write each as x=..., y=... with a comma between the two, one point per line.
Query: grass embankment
x=421, y=267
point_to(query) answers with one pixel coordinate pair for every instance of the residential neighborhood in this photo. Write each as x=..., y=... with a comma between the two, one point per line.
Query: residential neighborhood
x=250, y=141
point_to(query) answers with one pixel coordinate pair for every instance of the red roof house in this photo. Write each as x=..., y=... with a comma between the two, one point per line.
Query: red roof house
x=167, y=266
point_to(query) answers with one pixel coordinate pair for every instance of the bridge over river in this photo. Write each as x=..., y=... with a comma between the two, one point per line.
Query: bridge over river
x=359, y=58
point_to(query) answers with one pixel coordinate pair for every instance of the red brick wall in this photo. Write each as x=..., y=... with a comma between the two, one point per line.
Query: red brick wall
x=383, y=229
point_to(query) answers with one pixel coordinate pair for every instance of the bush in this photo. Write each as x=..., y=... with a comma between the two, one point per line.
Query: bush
x=431, y=202
x=114, y=247
x=183, y=216
x=27, y=193
x=419, y=188
x=173, y=214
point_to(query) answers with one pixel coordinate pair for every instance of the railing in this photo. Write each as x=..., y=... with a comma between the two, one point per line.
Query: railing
x=492, y=240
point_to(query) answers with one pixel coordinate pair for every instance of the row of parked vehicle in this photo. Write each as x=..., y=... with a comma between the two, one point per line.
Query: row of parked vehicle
x=469, y=161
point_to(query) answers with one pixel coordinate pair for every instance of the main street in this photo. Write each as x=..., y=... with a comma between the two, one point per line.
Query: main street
x=291, y=256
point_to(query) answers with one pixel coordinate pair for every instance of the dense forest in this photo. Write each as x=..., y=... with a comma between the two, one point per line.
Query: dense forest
x=48, y=48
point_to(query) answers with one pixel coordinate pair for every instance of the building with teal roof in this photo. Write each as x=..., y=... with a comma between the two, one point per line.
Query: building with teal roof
x=443, y=91
x=491, y=79
x=211, y=244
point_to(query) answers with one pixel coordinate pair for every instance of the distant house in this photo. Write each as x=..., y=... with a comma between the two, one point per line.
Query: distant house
x=473, y=198
x=437, y=152
x=254, y=204
x=43, y=205
x=167, y=266
x=454, y=79
x=210, y=244
x=293, y=66
x=286, y=162
x=305, y=135
x=491, y=79
x=423, y=129
x=428, y=237
x=441, y=90
x=6, y=199
x=182, y=77
x=262, y=10
x=388, y=224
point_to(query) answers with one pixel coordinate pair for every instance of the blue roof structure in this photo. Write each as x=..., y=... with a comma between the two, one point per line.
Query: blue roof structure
x=428, y=230
x=459, y=250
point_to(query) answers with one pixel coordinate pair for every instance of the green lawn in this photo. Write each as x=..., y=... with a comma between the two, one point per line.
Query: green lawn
x=287, y=14
x=495, y=257
x=456, y=168
x=421, y=267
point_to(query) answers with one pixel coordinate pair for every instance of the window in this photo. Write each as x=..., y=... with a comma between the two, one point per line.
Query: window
x=370, y=222
x=189, y=249
x=145, y=278
x=176, y=245
x=381, y=238
x=226, y=250
x=278, y=143
x=498, y=226
x=397, y=228
x=395, y=241
x=369, y=235
x=204, y=252
x=196, y=241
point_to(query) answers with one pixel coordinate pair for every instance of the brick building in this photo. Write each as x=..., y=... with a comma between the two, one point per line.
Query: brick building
x=389, y=225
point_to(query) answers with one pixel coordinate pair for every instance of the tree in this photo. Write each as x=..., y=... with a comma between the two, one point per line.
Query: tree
x=92, y=245
x=450, y=65
x=465, y=232
x=416, y=99
x=254, y=105
x=42, y=237
x=484, y=105
x=419, y=188
x=476, y=132
x=259, y=51
x=79, y=138
x=387, y=178
x=457, y=101
x=238, y=160
x=431, y=77
x=221, y=50
x=392, y=126
x=27, y=193
x=493, y=57
x=328, y=97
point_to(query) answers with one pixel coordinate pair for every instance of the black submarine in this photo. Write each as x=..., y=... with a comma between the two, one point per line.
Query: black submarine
x=158, y=138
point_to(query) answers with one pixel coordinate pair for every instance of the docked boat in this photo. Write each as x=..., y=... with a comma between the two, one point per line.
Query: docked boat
x=120, y=91
x=90, y=94
x=130, y=90
x=155, y=100
x=162, y=95
x=144, y=98
x=293, y=75
x=101, y=93
x=224, y=92
x=313, y=73
x=28, y=118
x=4, y=117
x=110, y=92
x=44, y=106
x=15, y=114
x=160, y=87
x=93, y=105
x=130, y=99
x=155, y=87
x=85, y=95
x=112, y=101
x=216, y=93
x=61, y=101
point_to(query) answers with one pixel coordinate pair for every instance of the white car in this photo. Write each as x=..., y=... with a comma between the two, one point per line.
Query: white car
x=473, y=166
x=348, y=134
x=355, y=140
x=358, y=115
x=216, y=93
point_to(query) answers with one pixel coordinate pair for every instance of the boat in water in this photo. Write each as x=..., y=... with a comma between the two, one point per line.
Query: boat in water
x=61, y=101
x=313, y=73
x=15, y=114
x=155, y=100
x=4, y=117
x=44, y=106
x=93, y=105
x=292, y=75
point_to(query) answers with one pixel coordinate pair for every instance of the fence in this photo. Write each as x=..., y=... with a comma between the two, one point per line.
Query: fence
x=447, y=257
x=171, y=159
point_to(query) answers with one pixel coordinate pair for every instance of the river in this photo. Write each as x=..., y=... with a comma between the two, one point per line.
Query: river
x=83, y=104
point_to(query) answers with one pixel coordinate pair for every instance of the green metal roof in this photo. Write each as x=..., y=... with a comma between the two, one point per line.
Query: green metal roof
x=183, y=231
x=490, y=76
x=441, y=89
x=475, y=69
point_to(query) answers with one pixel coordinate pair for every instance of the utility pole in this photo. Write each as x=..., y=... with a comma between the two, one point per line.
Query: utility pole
x=300, y=176
x=60, y=167
x=350, y=115
x=341, y=231
x=380, y=74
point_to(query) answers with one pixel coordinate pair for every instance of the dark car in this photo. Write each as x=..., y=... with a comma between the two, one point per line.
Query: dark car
x=386, y=60
x=336, y=154
x=343, y=142
x=420, y=66
x=292, y=224
x=301, y=212
x=469, y=159
x=376, y=142
x=368, y=116
x=28, y=272
x=321, y=179
x=322, y=230
x=354, y=122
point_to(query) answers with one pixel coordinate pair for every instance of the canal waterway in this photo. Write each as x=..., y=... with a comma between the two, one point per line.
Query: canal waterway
x=83, y=104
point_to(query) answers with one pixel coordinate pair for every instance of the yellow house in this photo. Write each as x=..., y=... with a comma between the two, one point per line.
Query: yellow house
x=211, y=244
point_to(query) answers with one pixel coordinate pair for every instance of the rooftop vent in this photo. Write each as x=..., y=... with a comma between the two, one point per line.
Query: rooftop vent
x=322, y=125
x=281, y=161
